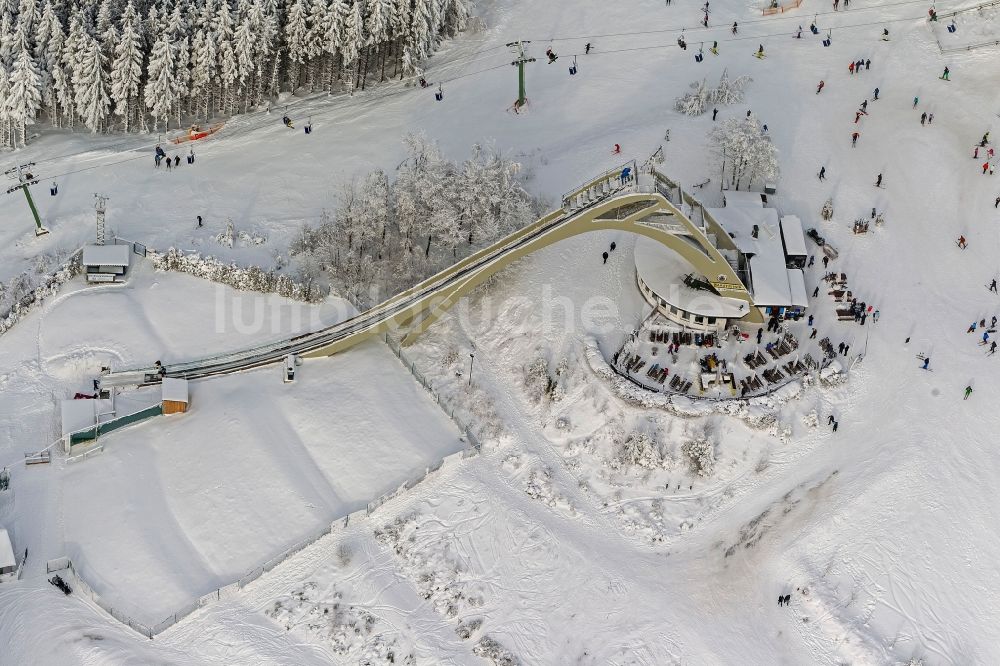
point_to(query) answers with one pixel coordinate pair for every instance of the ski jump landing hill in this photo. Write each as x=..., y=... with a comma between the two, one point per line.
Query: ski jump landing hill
x=622, y=199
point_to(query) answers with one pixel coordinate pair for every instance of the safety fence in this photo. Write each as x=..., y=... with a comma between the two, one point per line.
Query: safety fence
x=775, y=8
x=114, y=424
x=466, y=428
x=79, y=584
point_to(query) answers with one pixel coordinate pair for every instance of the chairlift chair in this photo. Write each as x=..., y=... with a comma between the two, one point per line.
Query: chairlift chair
x=439, y=95
x=572, y=69
x=700, y=55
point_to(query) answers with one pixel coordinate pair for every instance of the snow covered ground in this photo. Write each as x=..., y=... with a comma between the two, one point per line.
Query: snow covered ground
x=882, y=532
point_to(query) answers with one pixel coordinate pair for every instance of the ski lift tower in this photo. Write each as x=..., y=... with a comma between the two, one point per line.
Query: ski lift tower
x=100, y=206
x=518, y=49
x=24, y=177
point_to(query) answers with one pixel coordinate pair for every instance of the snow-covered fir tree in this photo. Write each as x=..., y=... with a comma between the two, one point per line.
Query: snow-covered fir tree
x=224, y=56
x=90, y=86
x=24, y=96
x=126, y=68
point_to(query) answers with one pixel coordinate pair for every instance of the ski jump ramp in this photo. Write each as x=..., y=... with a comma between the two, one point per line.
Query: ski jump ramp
x=622, y=199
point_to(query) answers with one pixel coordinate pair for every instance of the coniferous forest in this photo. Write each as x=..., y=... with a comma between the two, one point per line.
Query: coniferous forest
x=143, y=65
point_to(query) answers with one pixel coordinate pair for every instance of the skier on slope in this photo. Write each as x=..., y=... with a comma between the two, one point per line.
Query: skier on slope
x=876, y=93
x=962, y=244
x=968, y=392
x=819, y=88
x=734, y=27
x=946, y=74
x=878, y=183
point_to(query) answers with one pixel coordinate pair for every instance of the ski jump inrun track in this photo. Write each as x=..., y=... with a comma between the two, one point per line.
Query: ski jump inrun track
x=623, y=199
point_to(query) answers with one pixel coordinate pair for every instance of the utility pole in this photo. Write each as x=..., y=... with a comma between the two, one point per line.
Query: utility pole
x=472, y=361
x=100, y=207
x=24, y=178
x=522, y=58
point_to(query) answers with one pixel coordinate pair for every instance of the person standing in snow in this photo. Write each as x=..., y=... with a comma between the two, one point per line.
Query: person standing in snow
x=946, y=74
x=878, y=181
x=177, y=160
x=993, y=348
x=916, y=100
x=923, y=118
x=836, y=424
x=972, y=328
x=961, y=242
x=586, y=49
x=822, y=176
x=986, y=166
x=927, y=361
x=864, y=106
x=199, y=221
x=854, y=139
x=930, y=118
x=850, y=67
x=605, y=255
x=996, y=204
x=734, y=27
x=715, y=112
x=968, y=392
x=819, y=88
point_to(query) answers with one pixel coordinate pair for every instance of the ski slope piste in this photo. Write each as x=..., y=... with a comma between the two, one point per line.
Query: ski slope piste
x=624, y=199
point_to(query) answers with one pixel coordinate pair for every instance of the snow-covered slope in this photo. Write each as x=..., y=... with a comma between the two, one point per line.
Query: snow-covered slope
x=882, y=532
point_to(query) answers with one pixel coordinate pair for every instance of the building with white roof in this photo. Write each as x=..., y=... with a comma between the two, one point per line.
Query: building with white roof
x=106, y=263
x=8, y=563
x=768, y=256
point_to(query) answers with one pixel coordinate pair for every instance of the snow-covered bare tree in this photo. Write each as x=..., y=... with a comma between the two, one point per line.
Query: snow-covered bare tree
x=745, y=152
x=729, y=91
x=694, y=103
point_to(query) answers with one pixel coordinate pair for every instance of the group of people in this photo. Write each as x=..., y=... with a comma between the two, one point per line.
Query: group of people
x=160, y=156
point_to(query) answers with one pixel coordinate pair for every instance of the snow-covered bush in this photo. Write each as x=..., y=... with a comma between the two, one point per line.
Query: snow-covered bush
x=26, y=291
x=490, y=648
x=225, y=238
x=637, y=449
x=700, y=454
x=827, y=211
x=250, y=278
